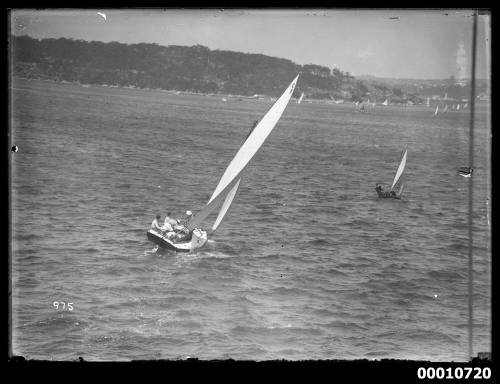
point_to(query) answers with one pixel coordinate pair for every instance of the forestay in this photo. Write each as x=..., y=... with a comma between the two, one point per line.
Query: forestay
x=400, y=170
x=229, y=181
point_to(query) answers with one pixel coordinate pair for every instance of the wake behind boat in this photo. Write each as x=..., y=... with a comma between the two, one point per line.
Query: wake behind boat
x=194, y=236
x=391, y=193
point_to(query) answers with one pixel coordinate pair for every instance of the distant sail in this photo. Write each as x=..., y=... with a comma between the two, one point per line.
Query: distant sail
x=246, y=152
x=428, y=104
x=386, y=102
x=437, y=109
x=458, y=107
x=301, y=97
x=400, y=170
x=445, y=108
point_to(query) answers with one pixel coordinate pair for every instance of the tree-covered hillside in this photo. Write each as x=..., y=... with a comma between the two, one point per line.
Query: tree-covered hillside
x=195, y=69
x=199, y=69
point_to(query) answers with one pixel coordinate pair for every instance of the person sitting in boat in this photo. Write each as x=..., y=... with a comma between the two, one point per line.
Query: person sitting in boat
x=168, y=224
x=182, y=233
x=185, y=220
x=382, y=192
x=155, y=226
x=379, y=188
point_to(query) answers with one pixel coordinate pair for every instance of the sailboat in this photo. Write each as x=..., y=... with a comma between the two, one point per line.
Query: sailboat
x=391, y=193
x=228, y=185
x=465, y=171
x=436, y=111
x=386, y=102
x=301, y=97
x=445, y=108
x=428, y=104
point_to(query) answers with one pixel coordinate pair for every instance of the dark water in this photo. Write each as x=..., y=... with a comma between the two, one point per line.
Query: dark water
x=309, y=264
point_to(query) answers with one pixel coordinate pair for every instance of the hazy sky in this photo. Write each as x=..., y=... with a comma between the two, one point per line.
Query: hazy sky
x=425, y=44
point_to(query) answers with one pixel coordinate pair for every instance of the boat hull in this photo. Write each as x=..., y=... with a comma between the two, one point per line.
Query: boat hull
x=388, y=195
x=198, y=240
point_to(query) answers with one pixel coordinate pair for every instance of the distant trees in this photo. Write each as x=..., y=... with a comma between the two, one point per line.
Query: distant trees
x=173, y=67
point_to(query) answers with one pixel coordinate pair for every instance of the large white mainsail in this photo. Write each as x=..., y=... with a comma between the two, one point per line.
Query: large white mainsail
x=229, y=181
x=400, y=170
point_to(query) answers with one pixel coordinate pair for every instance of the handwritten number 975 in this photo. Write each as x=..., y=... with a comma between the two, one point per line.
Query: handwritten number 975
x=68, y=306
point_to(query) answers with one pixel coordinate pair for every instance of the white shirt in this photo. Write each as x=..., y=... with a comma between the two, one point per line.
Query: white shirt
x=169, y=221
x=167, y=226
x=155, y=225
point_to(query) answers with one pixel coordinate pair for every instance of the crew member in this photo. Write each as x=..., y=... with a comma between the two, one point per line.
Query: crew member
x=169, y=223
x=155, y=226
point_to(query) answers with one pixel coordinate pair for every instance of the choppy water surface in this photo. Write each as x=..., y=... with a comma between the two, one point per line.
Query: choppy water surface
x=309, y=263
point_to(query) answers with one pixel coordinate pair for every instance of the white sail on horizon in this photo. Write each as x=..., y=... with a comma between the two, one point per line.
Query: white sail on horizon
x=301, y=97
x=400, y=170
x=436, y=111
x=252, y=144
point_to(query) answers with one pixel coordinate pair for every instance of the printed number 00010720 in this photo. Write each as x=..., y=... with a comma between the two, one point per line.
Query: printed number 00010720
x=457, y=373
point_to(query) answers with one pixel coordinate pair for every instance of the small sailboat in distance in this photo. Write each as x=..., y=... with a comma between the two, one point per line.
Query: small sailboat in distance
x=465, y=171
x=300, y=98
x=386, y=102
x=227, y=188
x=428, y=103
x=436, y=111
x=391, y=193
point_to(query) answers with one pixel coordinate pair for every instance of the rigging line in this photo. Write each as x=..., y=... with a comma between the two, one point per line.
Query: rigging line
x=471, y=165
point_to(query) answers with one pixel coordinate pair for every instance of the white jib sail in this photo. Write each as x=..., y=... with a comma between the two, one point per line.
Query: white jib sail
x=400, y=170
x=301, y=97
x=245, y=153
x=225, y=206
x=437, y=109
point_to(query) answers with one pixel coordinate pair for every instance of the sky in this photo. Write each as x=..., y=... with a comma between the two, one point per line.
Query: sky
x=417, y=44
